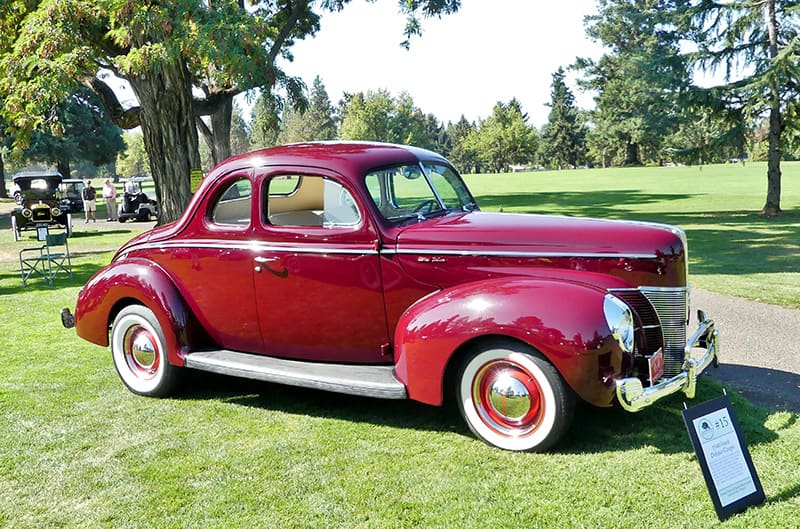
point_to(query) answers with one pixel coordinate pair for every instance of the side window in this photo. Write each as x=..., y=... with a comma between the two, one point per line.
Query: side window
x=233, y=206
x=310, y=201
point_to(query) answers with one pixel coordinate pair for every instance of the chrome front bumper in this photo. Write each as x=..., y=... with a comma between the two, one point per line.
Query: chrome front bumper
x=634, y=397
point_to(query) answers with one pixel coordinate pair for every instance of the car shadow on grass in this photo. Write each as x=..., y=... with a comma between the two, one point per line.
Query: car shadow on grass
x=661, y=425
x=595, y=430
x=316, y=403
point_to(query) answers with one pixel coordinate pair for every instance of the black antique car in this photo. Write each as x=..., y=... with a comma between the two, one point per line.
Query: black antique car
x=39, y=203
x=70, y=193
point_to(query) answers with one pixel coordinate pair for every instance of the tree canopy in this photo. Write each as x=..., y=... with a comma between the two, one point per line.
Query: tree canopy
x=164, y=50
x=758, y=46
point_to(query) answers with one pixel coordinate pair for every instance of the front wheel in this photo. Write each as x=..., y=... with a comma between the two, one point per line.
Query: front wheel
x=511, y=397
x=139, y=351
x=15, y=228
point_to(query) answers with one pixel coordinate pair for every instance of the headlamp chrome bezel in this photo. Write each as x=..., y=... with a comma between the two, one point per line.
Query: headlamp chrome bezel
x=620, y=321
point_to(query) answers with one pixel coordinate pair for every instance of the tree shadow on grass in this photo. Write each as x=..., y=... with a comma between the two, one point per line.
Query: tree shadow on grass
x=595, y=430
x=11, y=279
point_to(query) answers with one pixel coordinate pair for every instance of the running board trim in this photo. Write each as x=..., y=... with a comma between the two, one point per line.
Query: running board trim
x=364, y=380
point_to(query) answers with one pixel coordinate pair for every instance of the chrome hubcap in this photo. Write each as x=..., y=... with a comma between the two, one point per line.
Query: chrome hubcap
x=141, y=351
x=509, y=398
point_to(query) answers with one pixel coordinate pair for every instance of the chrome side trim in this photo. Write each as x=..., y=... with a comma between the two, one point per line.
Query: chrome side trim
x=253, y=247
x=505, y=253
x=633, y=396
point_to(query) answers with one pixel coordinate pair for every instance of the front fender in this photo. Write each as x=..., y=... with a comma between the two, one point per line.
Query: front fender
x=133, y=280
x=562, y=320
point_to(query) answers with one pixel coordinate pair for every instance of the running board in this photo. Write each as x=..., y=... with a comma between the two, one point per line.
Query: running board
x=364, y=380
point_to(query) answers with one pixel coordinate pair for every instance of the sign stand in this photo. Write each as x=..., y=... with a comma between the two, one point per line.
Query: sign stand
x=723, y=456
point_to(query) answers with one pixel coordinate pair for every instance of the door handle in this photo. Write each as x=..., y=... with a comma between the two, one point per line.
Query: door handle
x=266, y=261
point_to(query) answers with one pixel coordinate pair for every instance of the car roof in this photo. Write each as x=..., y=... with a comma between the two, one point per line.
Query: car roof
x=349, y=158
x=24, y=175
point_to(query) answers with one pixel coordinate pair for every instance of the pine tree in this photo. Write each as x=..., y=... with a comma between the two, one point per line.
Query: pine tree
x=314, y=124
x=764, y=38
x=564, y=136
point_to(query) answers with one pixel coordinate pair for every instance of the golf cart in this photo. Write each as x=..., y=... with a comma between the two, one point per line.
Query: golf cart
x=136, y=204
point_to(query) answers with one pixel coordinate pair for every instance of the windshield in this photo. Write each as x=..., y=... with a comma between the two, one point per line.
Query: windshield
x=38, y=188
x=416, y=191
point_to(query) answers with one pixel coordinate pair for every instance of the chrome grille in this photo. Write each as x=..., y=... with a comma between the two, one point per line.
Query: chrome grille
x=671, y=307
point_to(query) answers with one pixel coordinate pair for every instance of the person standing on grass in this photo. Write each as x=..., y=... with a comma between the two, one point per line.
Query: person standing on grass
x=89, y=195
x=110, y=196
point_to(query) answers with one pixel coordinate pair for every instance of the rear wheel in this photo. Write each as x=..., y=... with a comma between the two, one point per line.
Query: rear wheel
x=139, y=351
x=513, y=398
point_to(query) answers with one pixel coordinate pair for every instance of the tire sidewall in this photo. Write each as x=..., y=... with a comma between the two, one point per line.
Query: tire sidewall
x=137, y=315
x=546, y=432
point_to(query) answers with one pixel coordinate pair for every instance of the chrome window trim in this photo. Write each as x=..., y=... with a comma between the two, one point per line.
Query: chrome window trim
x=503, y=253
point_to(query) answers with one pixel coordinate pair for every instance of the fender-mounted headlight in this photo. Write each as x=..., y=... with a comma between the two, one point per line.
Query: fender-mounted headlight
x=55, y=212
x=620, y=321
x=27, y=213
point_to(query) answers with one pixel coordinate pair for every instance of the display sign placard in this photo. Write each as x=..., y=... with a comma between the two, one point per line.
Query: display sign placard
x=723, y=456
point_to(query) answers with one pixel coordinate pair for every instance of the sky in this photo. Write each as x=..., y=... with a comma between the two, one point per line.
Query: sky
x=489, y=51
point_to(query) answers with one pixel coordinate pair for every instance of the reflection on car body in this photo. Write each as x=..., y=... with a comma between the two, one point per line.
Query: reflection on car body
x=368, y=269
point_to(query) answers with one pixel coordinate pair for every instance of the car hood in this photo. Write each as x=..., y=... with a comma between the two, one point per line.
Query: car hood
x=505, y=233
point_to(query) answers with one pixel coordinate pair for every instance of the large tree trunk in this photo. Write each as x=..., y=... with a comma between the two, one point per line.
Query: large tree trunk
x=631, y=154
x=63, y=168
x=3, y=190
x=772, y=207
x=218, y=136
x=169, y=133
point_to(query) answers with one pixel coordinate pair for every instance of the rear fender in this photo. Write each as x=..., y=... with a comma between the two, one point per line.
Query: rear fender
x=562, y=320
x=126, y=282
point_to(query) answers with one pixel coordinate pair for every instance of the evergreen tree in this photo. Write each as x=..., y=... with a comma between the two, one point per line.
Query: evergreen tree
x=315, y=124
x=459, y=153
x=504, y=138
x=564, y=137
x=764, y=39
x=377, y=116
x=265, y=126
x=87, y=134
x=637, y=81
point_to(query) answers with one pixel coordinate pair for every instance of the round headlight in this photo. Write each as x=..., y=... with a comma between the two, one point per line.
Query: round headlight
x=27, y=213
x=620, y=321
x=56, y=212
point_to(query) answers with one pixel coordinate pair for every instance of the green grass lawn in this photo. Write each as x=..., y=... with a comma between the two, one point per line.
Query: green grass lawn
x=732, y=249
x=79, y=450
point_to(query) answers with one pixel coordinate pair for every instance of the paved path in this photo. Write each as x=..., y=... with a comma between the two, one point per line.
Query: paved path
x=760, y=348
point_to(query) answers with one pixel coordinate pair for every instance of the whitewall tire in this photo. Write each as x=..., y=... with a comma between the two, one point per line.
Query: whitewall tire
x=513, y=398
x=139, y=351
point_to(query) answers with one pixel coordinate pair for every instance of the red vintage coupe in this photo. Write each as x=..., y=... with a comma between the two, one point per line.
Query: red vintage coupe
x=368, y=269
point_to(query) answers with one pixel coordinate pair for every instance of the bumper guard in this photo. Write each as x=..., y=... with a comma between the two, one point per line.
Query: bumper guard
x=633, y=396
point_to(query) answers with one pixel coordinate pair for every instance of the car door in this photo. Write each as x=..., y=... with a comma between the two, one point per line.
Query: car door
x=316, y=271
x=213, y=265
